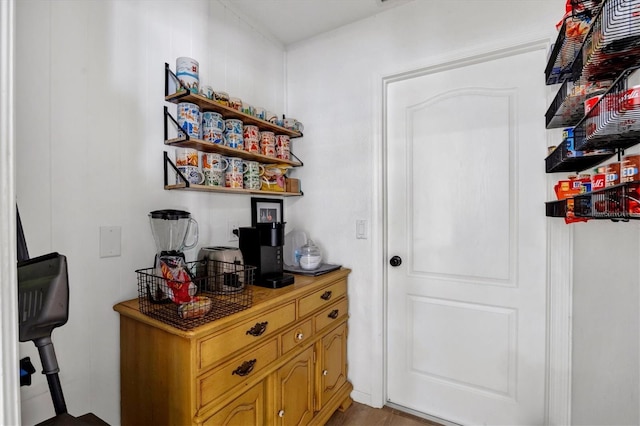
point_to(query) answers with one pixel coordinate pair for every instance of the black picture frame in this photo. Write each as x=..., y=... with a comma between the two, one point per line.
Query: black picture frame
x=266, y=210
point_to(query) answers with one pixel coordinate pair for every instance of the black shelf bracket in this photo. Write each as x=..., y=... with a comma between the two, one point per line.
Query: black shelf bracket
x=169, y=118
x=167, y=163
x=170, y=76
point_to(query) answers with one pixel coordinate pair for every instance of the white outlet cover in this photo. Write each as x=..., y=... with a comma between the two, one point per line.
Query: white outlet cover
x=110, y=238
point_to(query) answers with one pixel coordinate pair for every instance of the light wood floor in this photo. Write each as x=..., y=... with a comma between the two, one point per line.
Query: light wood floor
x=363, y=415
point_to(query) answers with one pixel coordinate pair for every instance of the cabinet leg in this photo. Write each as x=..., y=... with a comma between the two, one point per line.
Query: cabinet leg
x=345, y=404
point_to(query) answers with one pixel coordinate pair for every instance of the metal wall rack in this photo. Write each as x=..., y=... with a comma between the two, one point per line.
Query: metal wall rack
x=610, y=51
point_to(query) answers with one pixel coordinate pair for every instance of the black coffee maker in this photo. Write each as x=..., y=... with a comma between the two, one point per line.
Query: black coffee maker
x=261, y=246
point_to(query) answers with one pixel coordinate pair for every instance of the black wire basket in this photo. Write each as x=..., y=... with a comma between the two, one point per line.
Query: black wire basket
x=217, y=289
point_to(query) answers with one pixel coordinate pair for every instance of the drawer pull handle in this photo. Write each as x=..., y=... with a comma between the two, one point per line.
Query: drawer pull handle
x=299, y=336
x=325, y=372
x=258, y=329
x=281, y=413
x=245, y=368
x=326, y=295
x=334, y=314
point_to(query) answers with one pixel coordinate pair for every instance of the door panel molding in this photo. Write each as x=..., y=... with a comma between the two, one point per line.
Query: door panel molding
x=559, y=246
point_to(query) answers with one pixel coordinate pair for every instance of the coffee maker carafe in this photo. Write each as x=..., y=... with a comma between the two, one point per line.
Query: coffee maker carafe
x=262, y=246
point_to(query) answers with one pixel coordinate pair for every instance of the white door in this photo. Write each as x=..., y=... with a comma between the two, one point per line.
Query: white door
x=465, y=209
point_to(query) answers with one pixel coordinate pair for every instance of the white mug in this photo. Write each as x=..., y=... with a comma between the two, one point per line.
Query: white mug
x=192, y=174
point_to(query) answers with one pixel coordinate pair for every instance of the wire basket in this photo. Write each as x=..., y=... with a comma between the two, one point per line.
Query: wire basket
x=218, y=289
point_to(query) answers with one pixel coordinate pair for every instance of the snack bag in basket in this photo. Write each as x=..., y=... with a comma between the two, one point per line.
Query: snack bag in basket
x=178, y=280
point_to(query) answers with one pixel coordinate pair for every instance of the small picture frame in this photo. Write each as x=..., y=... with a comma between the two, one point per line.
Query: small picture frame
x=266, y=210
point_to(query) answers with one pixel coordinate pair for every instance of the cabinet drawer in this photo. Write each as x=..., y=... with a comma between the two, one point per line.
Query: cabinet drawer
x=331, y=314
x=235, y=372
x=296, y=335
x=323, y=297
x=213, y=349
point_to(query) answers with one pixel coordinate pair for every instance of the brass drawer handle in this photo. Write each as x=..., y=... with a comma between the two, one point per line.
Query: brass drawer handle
x=258, y=329
x=245, y=368
x=334, y=314
x=326, y=295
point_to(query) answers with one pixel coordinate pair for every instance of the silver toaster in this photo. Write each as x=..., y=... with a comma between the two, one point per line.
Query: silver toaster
x=223, y=268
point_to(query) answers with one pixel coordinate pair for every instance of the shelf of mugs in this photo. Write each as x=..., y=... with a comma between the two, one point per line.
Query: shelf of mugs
x=204, y=146
x=192, y=177
x=612, y=120
x=183, y=140
x=222, y=189
x=617, y=202
x=182, y=94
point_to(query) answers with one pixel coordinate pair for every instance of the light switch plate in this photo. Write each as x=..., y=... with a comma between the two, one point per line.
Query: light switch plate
x=362, y=229
x=110, y=241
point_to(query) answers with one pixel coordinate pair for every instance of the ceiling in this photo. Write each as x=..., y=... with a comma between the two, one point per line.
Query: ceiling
x=290, y=21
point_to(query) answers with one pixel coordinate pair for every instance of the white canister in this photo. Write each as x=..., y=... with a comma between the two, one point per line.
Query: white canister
x=187, y=71
x=189, y=119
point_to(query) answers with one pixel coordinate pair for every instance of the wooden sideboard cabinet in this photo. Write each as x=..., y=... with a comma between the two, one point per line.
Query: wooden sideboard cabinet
x=294, y=371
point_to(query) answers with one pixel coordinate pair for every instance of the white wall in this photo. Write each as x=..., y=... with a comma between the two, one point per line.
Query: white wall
x=606, y=306
x=333, y=86
x=89, y=136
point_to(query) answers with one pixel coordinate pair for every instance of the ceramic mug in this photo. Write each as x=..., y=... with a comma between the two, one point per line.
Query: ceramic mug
x=234, y=140
x=267, y=138
x=189, y=119
x=290, y=123
x=252, y=182
x=233, y=179
x=250, y=132
x=192, y=174
x=233, y=125
x=283, y=147
x=214, y=178
x=252, y=145
x=213, y=119
x=235, y=103
x=252, y=168
x=260, y=113
x=268, y=150
x=214, y=162
x=207, y=92
x=236, y=165
x=187, y=157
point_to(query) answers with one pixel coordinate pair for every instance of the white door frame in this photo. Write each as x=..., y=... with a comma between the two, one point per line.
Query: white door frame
x=9, y=356
x=559, y=254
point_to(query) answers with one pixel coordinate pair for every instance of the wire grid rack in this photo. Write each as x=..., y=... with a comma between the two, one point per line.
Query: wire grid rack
x=613, y=40
x=226, y=287
x=614, y=120
x=618, y=202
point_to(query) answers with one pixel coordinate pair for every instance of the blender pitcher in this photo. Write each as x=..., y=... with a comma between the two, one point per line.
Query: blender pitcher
x=170, y=229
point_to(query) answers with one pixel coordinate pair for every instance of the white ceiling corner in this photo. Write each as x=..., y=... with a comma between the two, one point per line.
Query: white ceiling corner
x=290, y=21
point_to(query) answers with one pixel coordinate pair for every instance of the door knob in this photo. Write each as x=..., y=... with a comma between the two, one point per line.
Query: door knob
x=395, y=261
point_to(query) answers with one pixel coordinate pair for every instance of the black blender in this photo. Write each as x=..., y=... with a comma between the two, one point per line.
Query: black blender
x=170, y=229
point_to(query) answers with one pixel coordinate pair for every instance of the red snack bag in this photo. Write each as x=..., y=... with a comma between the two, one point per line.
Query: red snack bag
x=178, y=280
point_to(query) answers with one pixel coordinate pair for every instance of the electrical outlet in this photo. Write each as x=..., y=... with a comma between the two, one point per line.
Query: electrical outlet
x=231, y=226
